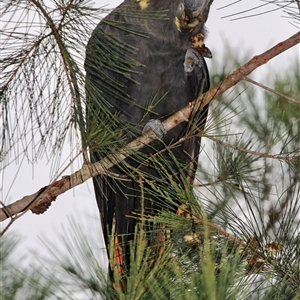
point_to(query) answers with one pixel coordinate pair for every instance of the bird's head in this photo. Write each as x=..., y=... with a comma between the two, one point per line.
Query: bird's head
x=191, y=15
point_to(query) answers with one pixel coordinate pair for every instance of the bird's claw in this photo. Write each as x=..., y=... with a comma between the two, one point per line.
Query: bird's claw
x=156, y=126
x=192, y=59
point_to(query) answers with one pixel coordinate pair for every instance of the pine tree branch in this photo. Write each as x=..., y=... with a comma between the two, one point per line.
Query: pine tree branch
x=69, y=69
x=40, y=201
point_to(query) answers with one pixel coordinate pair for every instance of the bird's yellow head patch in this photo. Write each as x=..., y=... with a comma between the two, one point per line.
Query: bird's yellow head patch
x=143, y=3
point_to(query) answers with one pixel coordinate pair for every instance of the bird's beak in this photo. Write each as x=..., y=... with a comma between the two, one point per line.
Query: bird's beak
x=205, y=5
x=196, y=12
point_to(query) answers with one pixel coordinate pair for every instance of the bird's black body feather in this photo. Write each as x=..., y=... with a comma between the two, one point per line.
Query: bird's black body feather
x=134, y=64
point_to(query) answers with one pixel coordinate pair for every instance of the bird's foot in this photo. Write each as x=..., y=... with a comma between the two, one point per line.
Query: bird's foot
x=156, y=126
x=192, y=59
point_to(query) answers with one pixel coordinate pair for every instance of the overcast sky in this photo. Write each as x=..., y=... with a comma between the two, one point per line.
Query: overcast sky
x=256, y=33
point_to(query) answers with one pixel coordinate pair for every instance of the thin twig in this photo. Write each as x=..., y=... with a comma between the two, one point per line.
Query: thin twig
x=255, y=153
x=272, y=91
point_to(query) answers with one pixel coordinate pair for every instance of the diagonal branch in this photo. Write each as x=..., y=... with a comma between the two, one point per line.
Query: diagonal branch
x=41, y=200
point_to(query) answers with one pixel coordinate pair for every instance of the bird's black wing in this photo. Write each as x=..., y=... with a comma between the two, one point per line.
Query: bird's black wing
x=198, y=83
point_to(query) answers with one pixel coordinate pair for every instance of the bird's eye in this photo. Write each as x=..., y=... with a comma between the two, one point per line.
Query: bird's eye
x=180, y=9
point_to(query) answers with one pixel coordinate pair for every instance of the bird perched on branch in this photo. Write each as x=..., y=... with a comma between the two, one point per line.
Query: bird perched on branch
x=144, y=62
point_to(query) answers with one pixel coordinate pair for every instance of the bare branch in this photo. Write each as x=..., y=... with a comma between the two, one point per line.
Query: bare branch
x=41, y=200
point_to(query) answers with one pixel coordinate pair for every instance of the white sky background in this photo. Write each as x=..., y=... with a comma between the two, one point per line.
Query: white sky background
x=256, y=34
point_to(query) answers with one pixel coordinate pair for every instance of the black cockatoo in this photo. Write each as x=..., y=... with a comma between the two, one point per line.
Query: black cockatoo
x=144, y=62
